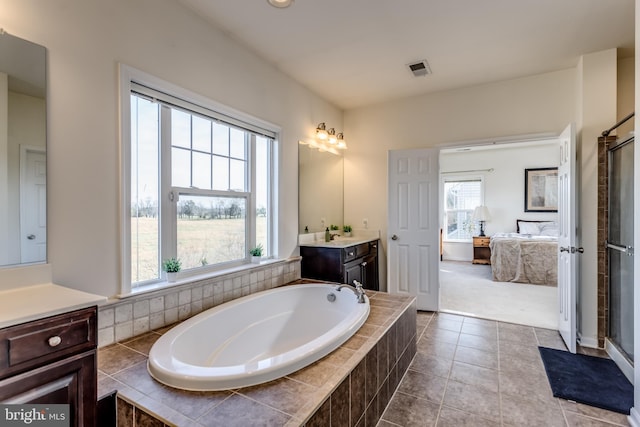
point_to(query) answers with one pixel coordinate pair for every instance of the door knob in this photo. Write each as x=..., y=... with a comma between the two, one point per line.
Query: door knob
x=31, y=236
x=394, y=237
x=563, y=249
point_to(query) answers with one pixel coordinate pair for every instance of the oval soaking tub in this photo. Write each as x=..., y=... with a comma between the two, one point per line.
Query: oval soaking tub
x=256, y=338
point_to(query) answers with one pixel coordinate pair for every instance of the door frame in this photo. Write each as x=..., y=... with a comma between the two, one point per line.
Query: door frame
x=25, y=149
x=517, y=139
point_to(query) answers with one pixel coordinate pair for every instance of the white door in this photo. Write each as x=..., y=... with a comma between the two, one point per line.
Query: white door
x=33, y=206
x=413, y=226
x=567, y=255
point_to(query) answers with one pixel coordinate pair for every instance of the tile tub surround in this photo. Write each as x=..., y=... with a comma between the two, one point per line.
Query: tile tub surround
x=351, y=386
x=125, y=318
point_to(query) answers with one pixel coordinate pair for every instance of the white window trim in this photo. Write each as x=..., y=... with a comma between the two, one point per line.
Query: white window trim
x=452, y=178
x=127, y=75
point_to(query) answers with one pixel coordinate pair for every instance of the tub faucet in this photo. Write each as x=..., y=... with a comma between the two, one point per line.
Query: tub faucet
x=358, y=290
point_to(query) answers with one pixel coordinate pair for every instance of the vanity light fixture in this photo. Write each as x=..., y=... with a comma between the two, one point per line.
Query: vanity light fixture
x=321, y=132
x=332, y=136
x=342, y=144
x=280, y=3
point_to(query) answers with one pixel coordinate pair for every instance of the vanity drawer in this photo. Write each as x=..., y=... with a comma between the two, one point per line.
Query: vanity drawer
x=356, y=251
x=29, y=344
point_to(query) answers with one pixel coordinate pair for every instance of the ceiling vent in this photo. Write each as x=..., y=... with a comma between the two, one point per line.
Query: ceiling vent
x=420, y=68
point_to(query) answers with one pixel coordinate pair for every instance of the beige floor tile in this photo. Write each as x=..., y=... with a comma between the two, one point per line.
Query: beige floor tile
x=442, y=335
x=424, y=386
x=476, y=400
x=450, y=417
x=593, y=412
x=473, y=356
x=431, y=365
x=481, y=343
x=435, y=348
x=489, y=331
x=577, y=420
x=524, y=337
x=409, y=411
x=525, y=385
x=517, y=411
x=446, y=323
x=475, y=376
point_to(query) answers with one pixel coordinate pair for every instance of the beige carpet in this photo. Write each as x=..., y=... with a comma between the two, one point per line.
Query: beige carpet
x=467, y=289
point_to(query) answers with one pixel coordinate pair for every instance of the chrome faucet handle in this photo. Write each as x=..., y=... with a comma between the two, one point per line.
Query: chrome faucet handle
x=359, y=291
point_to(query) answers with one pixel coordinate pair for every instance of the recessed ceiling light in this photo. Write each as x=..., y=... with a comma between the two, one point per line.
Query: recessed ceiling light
x=280, y=3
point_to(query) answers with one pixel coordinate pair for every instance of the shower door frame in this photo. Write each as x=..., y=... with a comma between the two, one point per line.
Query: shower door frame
x=604, y=142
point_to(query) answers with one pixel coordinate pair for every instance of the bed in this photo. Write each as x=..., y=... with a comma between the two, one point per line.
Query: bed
x=528, y=256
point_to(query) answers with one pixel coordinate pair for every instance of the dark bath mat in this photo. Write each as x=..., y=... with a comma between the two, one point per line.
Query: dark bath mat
x=594, y=381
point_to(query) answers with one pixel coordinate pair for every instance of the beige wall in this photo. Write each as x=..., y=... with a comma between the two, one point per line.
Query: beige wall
x=538, y=104
x=533, y=105
x=626, y=95
x=596, y=111
x=85, y=41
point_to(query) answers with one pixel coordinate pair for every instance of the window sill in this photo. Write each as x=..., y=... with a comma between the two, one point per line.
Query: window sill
x=164, y=285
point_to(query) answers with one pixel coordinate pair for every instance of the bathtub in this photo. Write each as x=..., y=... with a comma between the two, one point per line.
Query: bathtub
x=256, y=338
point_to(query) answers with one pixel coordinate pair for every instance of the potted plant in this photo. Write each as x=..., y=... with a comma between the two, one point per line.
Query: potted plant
x=172, y=266
x=256, y=253
x=334, y=227
x=347, y=230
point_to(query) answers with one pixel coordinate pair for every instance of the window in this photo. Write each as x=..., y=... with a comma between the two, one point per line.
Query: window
x=200, y=187
x=461, y=196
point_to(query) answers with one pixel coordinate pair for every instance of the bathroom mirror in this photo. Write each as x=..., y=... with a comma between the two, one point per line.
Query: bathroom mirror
x=23, y=136
x=320, y=189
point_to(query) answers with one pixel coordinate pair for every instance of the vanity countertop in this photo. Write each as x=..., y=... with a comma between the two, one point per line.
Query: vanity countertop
x=339, y=242
x=26, y=303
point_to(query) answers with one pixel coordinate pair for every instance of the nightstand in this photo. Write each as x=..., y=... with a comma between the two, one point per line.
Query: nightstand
x=481, y=250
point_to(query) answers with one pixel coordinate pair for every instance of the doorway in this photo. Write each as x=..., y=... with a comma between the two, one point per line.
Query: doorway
x=466, y=287
x=33, y=205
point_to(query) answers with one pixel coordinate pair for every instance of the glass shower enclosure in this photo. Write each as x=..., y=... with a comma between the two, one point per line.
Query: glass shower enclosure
x=620, y=246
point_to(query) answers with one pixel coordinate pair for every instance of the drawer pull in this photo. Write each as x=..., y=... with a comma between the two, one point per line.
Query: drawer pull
x=54, y=341
x=351, y=253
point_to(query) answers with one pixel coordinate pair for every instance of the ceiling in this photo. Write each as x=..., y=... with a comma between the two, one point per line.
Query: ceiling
x=355, y=52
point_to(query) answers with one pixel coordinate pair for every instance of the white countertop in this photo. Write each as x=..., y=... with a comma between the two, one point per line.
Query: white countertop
x=339, y=242
x=26, y=303
x=316, y=240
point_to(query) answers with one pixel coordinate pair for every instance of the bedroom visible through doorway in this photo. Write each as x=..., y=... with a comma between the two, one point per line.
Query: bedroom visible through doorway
x=467, y=286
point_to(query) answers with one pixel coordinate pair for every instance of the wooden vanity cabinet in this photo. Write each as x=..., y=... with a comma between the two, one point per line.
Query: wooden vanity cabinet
x=342, y=265
x=52, y=361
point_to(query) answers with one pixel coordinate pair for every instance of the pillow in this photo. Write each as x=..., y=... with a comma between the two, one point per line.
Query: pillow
x=529, y=228
x=549, y=228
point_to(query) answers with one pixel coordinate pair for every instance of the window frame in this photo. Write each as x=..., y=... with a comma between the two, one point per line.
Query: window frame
x=458, y=178
x=129, y=78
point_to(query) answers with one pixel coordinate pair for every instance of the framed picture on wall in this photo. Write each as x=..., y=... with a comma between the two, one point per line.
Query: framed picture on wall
x=541, y=190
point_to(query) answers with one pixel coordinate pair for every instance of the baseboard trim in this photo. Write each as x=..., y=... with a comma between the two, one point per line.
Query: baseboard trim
x=616, y=355
x=634, y=418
